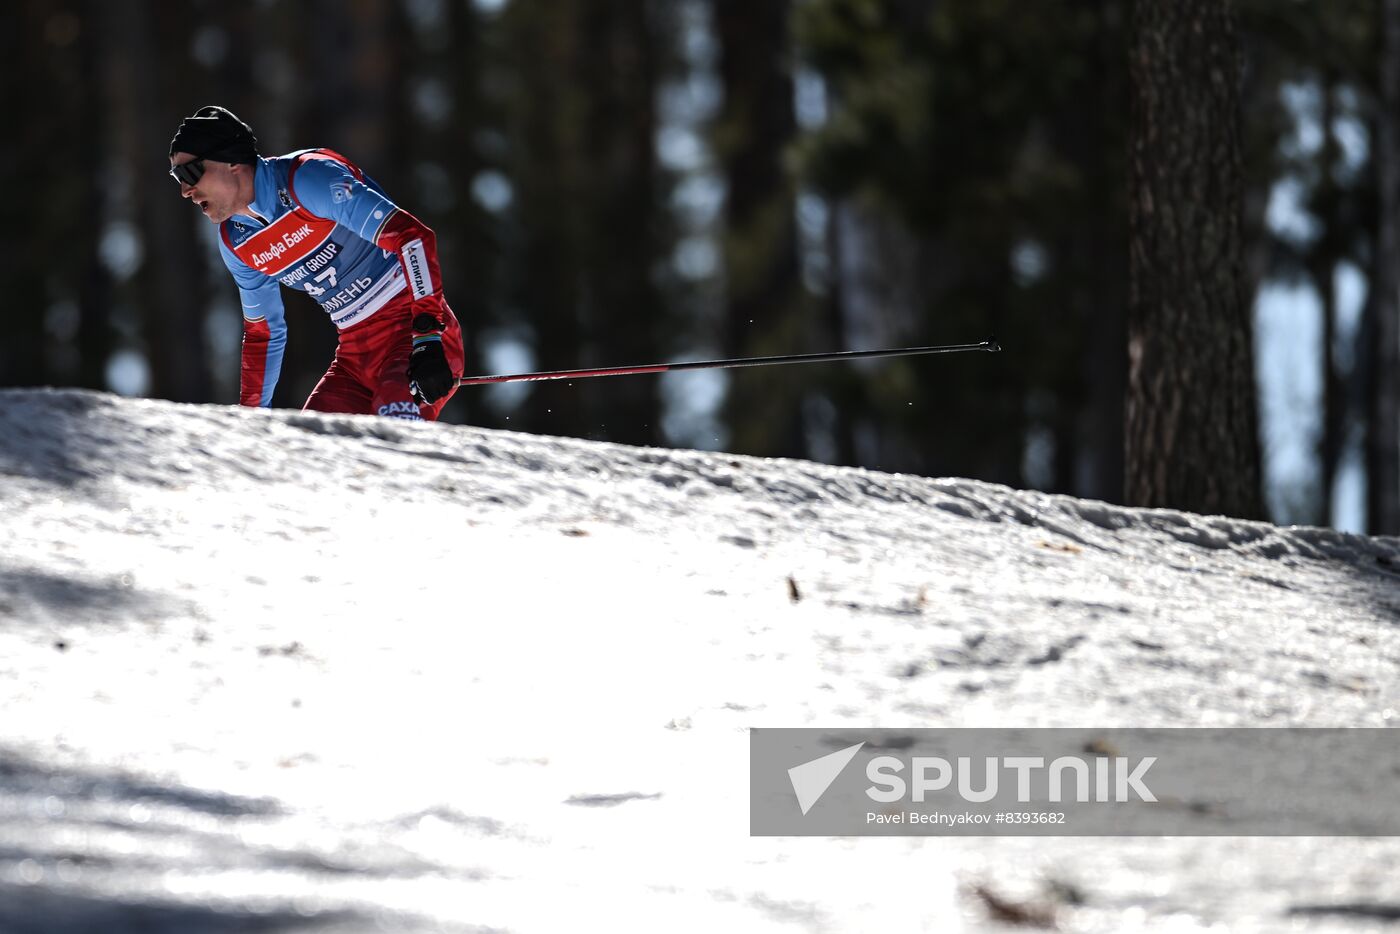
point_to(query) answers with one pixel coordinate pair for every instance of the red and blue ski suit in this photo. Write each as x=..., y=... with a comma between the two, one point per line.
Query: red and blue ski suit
x=319, y=224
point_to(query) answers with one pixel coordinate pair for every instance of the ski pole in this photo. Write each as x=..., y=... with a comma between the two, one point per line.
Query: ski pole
x=990, y=346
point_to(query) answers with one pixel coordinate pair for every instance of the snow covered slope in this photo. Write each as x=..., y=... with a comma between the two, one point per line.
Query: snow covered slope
x=286, y=672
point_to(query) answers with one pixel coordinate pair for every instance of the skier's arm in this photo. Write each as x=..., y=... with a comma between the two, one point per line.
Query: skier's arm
x=264, y=332
x=430, y=376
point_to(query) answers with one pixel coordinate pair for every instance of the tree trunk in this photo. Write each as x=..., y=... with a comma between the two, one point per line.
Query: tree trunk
x=844, y=387
x=56, y=331
x=94, y=337
x=762, y=409
x=470, y=252
x=1096, y=250
x=1191, y=439
x=544, y=117
x=582, y=128
x=622, y=307
x=1383, y=357
x=1326, y=256
x=172, y=278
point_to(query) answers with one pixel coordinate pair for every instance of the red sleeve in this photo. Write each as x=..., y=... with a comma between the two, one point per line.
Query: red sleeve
x=416, y=246
x=253, y=372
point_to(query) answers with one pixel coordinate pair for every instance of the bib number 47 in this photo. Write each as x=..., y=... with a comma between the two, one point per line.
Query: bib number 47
x=326, y=274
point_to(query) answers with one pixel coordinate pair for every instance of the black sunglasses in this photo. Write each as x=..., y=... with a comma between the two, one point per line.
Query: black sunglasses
x=188, y=173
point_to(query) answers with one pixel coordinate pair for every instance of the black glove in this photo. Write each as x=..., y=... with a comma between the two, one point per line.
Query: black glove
x=429, y=376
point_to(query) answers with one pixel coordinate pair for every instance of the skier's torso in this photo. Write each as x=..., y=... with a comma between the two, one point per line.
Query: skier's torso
x=301, y=247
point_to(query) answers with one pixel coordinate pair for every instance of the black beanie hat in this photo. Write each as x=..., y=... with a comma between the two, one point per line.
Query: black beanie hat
x=215, y=133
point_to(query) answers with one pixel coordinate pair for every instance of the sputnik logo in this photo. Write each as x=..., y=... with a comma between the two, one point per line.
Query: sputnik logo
x=810, y=780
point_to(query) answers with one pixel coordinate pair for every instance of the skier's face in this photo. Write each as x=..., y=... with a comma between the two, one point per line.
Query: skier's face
x=216, y=191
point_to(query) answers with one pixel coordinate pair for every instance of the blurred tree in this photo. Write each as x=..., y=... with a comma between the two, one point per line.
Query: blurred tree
x=1192, y=439
x=588, y=192
x=764, y=303
x=171, y=288
x=1327, y=256
x=1381, y=347
x=980, y=147
x=839, y=399
x=459, y=144
x=58, y=189
x=94, y=339
x=1309, y=88
x=1089, y=232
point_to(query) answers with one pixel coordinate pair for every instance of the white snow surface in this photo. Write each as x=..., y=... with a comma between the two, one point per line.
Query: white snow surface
x=279, y=671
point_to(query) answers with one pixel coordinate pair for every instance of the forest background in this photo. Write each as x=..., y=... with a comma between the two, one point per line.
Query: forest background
x=636, y=181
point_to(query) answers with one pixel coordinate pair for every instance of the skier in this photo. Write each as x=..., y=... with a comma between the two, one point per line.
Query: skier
x=312, y=220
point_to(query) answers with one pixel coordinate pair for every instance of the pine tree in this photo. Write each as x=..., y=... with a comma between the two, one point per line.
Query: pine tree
x=1192, y=437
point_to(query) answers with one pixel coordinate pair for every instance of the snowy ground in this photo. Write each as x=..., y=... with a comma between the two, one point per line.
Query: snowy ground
x=281, y=672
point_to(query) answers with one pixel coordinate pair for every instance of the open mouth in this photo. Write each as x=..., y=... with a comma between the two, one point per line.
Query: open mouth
x=203, y=206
